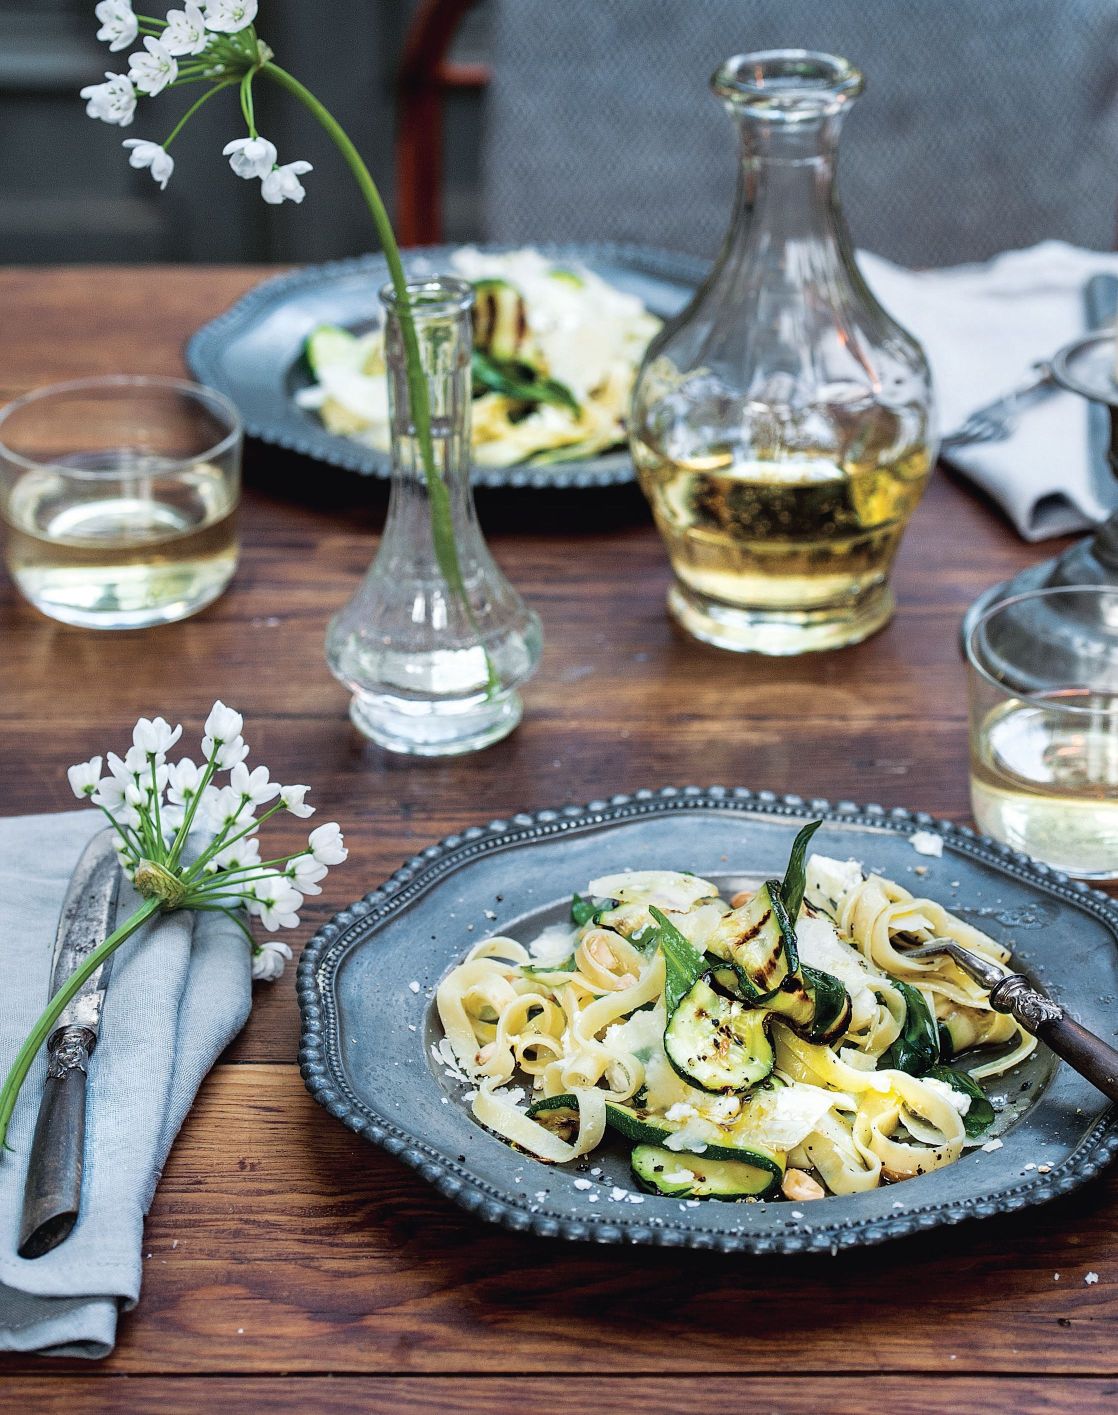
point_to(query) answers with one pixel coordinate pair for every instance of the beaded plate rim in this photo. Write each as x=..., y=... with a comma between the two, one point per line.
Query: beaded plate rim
x=323, y=1075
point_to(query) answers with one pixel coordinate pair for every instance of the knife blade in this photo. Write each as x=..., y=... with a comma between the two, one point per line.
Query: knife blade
x=52, y=1194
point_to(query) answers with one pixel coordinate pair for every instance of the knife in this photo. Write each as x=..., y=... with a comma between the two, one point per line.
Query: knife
x=1100, y=299
x=52, y=1195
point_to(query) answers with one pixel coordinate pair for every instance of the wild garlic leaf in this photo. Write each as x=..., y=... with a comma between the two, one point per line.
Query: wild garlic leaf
x=795, y=876
x=683, y=964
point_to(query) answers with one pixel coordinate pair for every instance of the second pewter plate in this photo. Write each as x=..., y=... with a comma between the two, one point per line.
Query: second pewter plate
x=253, y=353
x=367, y=978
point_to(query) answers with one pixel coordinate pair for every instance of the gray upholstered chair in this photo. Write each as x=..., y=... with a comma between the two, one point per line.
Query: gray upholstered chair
x=986, y=124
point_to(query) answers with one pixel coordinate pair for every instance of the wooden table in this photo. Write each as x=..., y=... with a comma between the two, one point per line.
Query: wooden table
x=290, y=1266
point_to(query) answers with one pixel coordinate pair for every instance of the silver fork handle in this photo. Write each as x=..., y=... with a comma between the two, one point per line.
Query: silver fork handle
x=1038, y=381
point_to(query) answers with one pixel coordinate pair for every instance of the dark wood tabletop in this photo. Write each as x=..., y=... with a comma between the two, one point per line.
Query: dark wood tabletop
x=289, y=1266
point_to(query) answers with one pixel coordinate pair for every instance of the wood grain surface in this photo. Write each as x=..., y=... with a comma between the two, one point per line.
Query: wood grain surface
x=291, y=1267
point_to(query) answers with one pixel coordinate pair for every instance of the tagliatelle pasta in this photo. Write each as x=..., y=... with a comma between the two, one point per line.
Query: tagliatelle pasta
x=737, y=1044
x=556, y=353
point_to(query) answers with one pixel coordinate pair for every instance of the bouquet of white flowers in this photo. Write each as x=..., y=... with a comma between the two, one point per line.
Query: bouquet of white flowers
x=156, y=807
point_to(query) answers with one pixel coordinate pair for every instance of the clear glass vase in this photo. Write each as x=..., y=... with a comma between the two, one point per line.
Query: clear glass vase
x=781, y=425
x=435, y=643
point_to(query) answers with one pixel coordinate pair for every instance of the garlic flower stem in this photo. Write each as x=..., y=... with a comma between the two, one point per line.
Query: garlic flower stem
x=223, y=841
x=192, y=809
x=42, y=1029
x=194, y=107
x=246, y=103
x=442, y=524
x=155, y=801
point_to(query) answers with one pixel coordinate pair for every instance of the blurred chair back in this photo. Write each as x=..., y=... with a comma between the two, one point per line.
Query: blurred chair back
x=986, y=124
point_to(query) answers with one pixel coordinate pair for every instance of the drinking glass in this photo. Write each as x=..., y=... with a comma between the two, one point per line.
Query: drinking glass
x=1043, y=672
x=119, y=497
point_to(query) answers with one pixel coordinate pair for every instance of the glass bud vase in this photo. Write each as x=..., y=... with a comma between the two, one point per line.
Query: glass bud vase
x=435, y=643
x=781, y=425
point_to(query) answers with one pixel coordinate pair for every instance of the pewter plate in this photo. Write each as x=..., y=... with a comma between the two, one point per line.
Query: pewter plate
x=367, y=978
x=254, y=351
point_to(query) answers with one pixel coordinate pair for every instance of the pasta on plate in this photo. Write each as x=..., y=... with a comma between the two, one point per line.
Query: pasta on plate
x=556, y=353
x=781, y=1041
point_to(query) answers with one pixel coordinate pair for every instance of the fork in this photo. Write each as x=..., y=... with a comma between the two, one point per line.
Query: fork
x=995, y=421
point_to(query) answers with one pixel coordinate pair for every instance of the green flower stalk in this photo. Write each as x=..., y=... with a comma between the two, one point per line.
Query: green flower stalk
x=215, y=44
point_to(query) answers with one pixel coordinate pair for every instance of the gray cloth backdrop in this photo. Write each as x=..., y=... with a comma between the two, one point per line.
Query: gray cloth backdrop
x=985, y=125
x=177, y=996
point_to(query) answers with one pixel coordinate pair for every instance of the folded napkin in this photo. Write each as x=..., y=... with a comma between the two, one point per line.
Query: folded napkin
x=180, y=990
x=983, y=326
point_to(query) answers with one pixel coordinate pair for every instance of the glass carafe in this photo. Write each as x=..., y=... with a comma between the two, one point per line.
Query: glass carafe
x=781, y=425
x=435, y=643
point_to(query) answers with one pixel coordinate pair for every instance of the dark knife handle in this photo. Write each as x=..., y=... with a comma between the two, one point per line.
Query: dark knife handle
x=53, y=1192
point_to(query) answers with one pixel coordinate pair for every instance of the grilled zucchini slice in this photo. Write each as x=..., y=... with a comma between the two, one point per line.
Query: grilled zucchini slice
x=717, y=1044
x=501, y=321
x=759, y=943
x=688, y=1176
x=560, y=1113
x=830, y=1006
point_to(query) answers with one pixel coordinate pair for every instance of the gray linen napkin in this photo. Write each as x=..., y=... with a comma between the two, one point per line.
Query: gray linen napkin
x=180, y=991
x=983, y=326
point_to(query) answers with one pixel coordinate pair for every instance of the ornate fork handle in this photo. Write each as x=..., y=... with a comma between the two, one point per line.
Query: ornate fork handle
x=1081, y=1049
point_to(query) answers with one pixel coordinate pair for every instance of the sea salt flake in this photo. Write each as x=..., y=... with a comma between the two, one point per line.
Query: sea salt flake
x=489, y=914
x=1044, y=1169
x=927, y=842
x=796, y=1213
x=617, y=1194
x=583, y=1184
x=991, y=1145
x=897, y=1204
x=1028, y=1167
x=593, y=1198
x=634, y=1198
x=1091, y=1278
x=413, y=986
